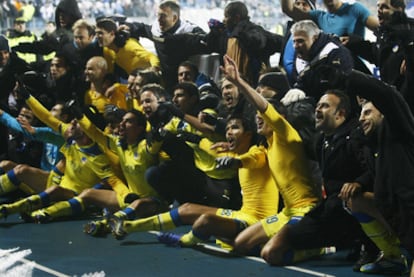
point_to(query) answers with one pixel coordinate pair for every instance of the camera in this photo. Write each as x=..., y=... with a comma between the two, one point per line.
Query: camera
x=33, y=81
x=121, y=36
x=160, y=117
x=209, y=119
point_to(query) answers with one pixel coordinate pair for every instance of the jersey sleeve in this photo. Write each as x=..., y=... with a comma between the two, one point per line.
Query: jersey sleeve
x=44, y=115
x=106, y=142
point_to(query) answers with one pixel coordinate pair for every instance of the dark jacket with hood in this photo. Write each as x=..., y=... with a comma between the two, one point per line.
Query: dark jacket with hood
x=62, y=36
x=71, y=9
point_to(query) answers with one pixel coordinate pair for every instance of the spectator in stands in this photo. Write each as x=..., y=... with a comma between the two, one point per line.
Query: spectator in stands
x=10, y=67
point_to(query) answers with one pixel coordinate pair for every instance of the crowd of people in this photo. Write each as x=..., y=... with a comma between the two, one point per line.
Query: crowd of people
x=281, y=161
x=43, y=11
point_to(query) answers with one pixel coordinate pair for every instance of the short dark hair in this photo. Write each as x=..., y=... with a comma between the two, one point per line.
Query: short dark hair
x=279, y=107
x=247, y=121
x=398, y=3
x=156, y=89
x=107, y=24
x=189, y=88
x=344, y=101
x=173, y=5
x=140, y=117
x=237, y=8
x=193, y=67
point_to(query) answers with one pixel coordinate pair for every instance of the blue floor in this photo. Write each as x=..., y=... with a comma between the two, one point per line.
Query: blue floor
x=61, y=249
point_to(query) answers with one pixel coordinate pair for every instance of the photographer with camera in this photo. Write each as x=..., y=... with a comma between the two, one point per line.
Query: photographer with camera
x=395, y=33
x=120, y=49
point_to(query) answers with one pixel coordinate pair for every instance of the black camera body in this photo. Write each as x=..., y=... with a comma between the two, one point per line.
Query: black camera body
x=34, y=82
x=160, y=117
x=121, y=37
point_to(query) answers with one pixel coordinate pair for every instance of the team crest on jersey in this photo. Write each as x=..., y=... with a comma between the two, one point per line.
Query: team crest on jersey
x=272, y=219
x=226, y=212
x=84, y=160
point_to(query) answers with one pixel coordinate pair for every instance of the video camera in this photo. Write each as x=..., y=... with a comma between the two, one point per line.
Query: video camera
x=160, y=117
x=34, y=82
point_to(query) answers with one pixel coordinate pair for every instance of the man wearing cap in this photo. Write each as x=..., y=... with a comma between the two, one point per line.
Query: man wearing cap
x=10, y=65
x=273, y=84
x=19, y=34
x=4, y=52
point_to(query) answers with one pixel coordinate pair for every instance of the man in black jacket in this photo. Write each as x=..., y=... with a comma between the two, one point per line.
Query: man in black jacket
x=388, y=51
x=168, y=24
x=387, y=215
x=313, y=49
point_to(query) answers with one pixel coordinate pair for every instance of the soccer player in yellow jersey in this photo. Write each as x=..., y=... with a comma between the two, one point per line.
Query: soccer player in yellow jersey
x=287, y=163
x=131, y=148
x=123, y=54
x=95, y=70
x=191, y=175
x=260, y=195
x=85, y=166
